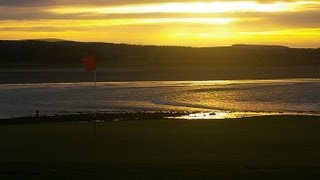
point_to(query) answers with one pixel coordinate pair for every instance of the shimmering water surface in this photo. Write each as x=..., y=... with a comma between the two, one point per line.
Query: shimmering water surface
x=215, y=99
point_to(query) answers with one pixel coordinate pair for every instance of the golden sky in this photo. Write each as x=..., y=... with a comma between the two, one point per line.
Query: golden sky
x=162, y=22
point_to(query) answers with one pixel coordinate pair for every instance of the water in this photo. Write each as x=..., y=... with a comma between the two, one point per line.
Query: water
x=216, y=99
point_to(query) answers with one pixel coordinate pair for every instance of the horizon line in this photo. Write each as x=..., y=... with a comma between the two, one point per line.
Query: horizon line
x=52, y=40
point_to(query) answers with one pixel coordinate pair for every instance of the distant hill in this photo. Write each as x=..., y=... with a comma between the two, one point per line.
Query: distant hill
x=46, y=40
x=259, y=46
x=61, y=53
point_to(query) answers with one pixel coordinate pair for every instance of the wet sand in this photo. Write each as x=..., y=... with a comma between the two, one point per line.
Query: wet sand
x=51, y=75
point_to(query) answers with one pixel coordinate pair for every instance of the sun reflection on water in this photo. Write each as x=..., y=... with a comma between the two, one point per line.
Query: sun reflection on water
x=233, y=115
x=207, y=115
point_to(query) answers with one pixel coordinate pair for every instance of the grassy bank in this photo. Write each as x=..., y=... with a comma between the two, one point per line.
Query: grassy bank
x=277, y=147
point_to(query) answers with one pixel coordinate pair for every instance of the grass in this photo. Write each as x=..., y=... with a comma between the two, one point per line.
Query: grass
x=275, y=147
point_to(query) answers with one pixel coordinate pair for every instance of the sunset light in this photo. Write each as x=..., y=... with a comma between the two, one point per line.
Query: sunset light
x=191, y=23
x=191, y=7
x=159, y=89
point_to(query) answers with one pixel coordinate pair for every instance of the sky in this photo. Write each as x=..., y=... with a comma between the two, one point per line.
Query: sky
x=201, y=23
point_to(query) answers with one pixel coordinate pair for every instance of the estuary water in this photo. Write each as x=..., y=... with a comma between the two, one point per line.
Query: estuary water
x=208, y=99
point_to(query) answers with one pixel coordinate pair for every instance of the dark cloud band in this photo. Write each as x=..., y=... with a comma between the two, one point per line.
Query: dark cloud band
x=37, y=3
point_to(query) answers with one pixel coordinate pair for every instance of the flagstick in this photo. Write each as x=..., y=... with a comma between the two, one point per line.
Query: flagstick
x=95, y=99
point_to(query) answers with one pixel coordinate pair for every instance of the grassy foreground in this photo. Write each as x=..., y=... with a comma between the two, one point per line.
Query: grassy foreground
x=275, y=147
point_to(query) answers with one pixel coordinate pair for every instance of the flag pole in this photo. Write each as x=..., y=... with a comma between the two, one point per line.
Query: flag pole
x=95, y=99
x=90, y=65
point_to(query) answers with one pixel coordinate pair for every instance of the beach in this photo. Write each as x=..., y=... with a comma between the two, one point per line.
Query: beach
x=219, y=129
x=270, y=147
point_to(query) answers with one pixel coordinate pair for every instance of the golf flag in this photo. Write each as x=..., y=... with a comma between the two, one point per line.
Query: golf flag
x=89, y=63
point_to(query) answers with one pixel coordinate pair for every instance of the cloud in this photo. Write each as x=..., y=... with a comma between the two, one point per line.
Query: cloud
x=37, y=3
x=119, y=21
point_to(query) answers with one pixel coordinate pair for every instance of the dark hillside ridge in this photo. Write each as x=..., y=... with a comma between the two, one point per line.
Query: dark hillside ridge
x=58, y=53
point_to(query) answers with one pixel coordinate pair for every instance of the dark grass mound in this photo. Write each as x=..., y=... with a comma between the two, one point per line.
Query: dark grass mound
x=274, y=147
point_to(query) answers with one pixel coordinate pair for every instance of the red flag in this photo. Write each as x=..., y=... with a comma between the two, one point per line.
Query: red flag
x=89, y=63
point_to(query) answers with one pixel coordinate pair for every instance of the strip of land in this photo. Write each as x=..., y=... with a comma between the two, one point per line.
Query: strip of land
x=87, y=117
x=62, y=75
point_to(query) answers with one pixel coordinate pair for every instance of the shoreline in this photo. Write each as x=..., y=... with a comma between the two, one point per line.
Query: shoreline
x=146, y=115
x=87, y=117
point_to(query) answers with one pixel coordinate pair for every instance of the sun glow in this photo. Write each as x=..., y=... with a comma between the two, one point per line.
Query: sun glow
x=78, y=24
x=192, y=7
x=192, y=23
